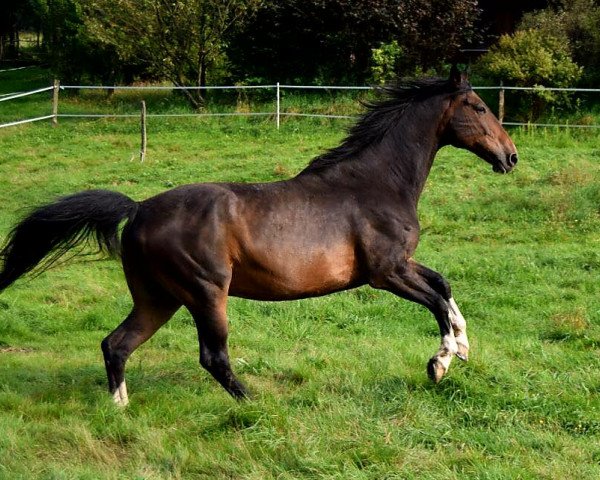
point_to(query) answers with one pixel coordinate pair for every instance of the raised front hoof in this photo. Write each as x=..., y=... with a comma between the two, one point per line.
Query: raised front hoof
x=435, y=370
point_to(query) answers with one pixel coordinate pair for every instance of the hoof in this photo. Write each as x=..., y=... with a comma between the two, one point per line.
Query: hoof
x=239, y=392
x=435, y=370
x=463, y=353
x=243, y=397
x=463, y=349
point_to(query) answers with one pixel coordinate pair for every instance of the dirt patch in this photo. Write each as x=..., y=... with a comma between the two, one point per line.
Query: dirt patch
x=9, y=349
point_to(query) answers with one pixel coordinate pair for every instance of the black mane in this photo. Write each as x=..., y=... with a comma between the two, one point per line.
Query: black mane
x=380, y=116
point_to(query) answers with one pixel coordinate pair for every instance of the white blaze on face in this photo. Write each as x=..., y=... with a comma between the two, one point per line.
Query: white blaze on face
x=120, y=395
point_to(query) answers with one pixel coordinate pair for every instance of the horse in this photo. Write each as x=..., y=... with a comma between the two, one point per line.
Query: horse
x=348, y=219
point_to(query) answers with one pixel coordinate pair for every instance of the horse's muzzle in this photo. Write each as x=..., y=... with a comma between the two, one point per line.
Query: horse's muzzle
x=507, y=164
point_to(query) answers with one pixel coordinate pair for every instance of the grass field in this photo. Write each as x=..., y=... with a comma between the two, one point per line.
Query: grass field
x=339, y=382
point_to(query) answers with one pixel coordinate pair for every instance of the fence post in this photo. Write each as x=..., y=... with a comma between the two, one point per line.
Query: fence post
x=501, y=103
x=143, y=131
x=55, y=90
x=278, y=104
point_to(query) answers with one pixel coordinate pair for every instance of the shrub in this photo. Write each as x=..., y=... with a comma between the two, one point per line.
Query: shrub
x=577, y=20
x=386, y=62
x=532, y=58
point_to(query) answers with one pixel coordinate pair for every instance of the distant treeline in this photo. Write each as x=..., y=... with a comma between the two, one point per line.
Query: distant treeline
x=200, y=42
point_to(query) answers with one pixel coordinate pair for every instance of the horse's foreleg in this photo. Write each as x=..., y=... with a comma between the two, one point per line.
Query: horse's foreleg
x=460, y=330
x=139, y=326
x=211, y=323
x=409, y=282
x=459, y=325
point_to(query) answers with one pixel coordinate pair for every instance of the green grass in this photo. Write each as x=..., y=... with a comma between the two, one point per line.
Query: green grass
x=339, y=382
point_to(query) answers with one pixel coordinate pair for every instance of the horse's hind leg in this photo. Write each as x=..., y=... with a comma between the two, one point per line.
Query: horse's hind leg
x=143, y=321
x=458, y=322
x=211, y=323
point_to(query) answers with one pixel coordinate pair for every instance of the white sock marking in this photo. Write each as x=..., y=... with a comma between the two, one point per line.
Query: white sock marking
x=120, y=395
x=459, y=324
x=447, y=350
x=458, y=321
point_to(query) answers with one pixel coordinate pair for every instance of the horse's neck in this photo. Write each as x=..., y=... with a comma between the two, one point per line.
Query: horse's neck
x=401, y=161
x=408, y=157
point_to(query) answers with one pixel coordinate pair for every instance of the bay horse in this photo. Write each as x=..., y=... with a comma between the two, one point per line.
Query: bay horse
x=348, y=219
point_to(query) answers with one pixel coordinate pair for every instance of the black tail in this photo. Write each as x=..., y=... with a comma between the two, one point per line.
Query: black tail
x=51, y=230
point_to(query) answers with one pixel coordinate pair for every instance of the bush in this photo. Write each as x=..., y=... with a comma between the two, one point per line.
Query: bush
x=579, y=21
x=386, y=62
x=532, y=58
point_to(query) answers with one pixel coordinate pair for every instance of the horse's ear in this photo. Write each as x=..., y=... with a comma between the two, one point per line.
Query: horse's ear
x=458, y=78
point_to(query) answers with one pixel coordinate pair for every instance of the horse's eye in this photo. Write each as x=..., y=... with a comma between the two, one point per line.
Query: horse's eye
x=479, y=108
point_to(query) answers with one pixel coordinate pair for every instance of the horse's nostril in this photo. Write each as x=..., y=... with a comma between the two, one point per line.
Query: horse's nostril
x=513, y=159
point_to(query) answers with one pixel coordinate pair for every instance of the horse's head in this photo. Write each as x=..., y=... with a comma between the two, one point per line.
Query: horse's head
x=470, y=124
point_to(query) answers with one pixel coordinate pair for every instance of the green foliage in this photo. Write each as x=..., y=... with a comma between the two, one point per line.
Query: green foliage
x=386, y=62
x=199, y=41
x=432, y=32
x=579, y=22
x=529, y=58
x=180, y=41
x=332, y=41
x=533, y=58
x=73, y=55
x=16, y=17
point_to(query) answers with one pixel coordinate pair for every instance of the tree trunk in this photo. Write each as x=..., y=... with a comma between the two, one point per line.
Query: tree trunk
x=202, y=92
x=193, y=97
x=12, y=43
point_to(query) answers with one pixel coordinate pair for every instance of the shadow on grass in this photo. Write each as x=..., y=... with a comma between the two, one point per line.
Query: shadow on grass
x=26, y=378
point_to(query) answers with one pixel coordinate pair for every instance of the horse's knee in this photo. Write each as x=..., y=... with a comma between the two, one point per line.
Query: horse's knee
x=106, y=350
x=114, y=357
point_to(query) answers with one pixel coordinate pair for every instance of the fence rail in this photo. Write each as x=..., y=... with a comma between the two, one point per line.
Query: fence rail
x=163, y=87
x=278, y=111
x=12, y=96
x=27, y=120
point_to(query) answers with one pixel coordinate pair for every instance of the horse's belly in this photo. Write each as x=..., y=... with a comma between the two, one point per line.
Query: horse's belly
x=292, y=275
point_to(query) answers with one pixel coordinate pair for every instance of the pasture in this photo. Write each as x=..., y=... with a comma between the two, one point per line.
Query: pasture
x=339, y=382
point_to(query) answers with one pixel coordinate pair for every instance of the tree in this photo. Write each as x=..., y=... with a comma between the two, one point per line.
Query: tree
x=432, y=31
x=332, y=40
x=532, y=58
x=8, y=30
x=68, y=48
x=15, y=15
x=177, y=40
x=579, y=22
x=386, y=62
